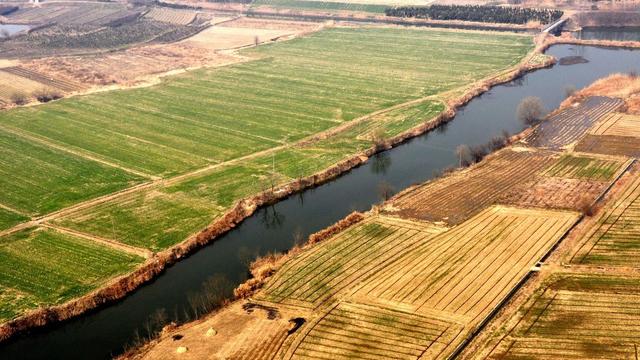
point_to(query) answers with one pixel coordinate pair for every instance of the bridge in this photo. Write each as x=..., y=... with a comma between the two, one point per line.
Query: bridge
x=555, y=26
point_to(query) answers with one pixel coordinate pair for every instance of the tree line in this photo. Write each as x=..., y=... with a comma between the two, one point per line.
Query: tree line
x=490, y=14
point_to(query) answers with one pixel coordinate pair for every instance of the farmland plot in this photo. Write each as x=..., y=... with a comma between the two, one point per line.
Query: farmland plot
x=610, y=145
x=328, y=6
x=361, y=331
x=616, y=134
x=577, y=317
x=46, y=81
x=53, y=178
x=568, y=183
x=614, y=238
x=618, y=124
x=173, y=16
x=163, y=216
x=569, y=125
x=459, y=196
x=315, y=277
x=422, y=286
x=10, y=218
x=42, y=267
x=469, y=269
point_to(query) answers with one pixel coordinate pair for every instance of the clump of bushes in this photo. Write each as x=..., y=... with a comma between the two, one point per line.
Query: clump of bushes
x=490, y=14
x=19, y=98
x=46, y=95
x=469, y=155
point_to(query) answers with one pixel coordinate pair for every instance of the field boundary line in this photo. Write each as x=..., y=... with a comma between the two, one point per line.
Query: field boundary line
x=26, y=135
x=108, y=242
x=19, y=212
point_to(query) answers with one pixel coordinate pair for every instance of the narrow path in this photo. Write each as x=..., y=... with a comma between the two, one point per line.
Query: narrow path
x=19, y=212
x=108, y=242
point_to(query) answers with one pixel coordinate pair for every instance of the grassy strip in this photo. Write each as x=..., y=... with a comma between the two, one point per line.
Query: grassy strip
x=37, y=179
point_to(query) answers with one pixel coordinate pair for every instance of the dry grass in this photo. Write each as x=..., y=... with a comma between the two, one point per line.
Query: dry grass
x=616, y=85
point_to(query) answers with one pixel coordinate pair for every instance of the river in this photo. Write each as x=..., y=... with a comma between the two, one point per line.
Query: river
x=106, y=331
x=610, y=33
x=12, y=29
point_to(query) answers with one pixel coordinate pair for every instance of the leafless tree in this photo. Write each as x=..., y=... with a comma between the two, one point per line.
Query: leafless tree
x=530, y=110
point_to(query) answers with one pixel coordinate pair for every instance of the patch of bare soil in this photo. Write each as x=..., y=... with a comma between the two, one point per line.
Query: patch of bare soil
x=552, y=192
x=128, y=66
x=239, y=331
x=245, y=22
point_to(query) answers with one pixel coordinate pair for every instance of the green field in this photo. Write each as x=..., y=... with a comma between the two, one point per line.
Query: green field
x=321, y=5
x=43, y=267
x=349, y=76
x=10, y=218
x=37, y=179
x=290, y=91
x=582, y=167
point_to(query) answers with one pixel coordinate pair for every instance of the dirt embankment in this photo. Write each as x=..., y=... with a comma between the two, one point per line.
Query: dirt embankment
x=120, y=287
x=624, y=86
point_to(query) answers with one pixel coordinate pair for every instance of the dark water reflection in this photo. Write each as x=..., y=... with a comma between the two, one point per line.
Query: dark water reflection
x=276, y=228
x=610, y=33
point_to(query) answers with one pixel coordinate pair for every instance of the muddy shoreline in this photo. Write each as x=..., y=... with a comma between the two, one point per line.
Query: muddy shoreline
x=120, y=287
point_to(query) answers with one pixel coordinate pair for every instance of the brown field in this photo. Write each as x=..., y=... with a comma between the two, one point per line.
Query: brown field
x=610, y=145
x=89, y=14
x=618, y=124
x=616, y=134
x=11, y=84
x=386, y=288
x=315, y=277
x=455, y=198
x=128, y=66
x=222, y=37
x=133, y=65
x=569, y=125
x=348, y=329
x=55, y=83
x=173, y=16
x=577, y=316
x=467, y=270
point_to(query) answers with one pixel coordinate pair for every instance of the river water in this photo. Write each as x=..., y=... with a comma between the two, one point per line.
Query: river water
x=610, y=33
x=106, y=331
x=11, y=29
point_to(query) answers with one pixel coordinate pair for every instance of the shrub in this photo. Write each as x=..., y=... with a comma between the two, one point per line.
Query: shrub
x=46, y=95
x=19, y=98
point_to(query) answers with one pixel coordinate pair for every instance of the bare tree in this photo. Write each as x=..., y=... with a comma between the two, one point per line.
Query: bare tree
x=569, y=90
x=385, y=190
x=19, y=98
x=463, y=152
x=530, y=110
